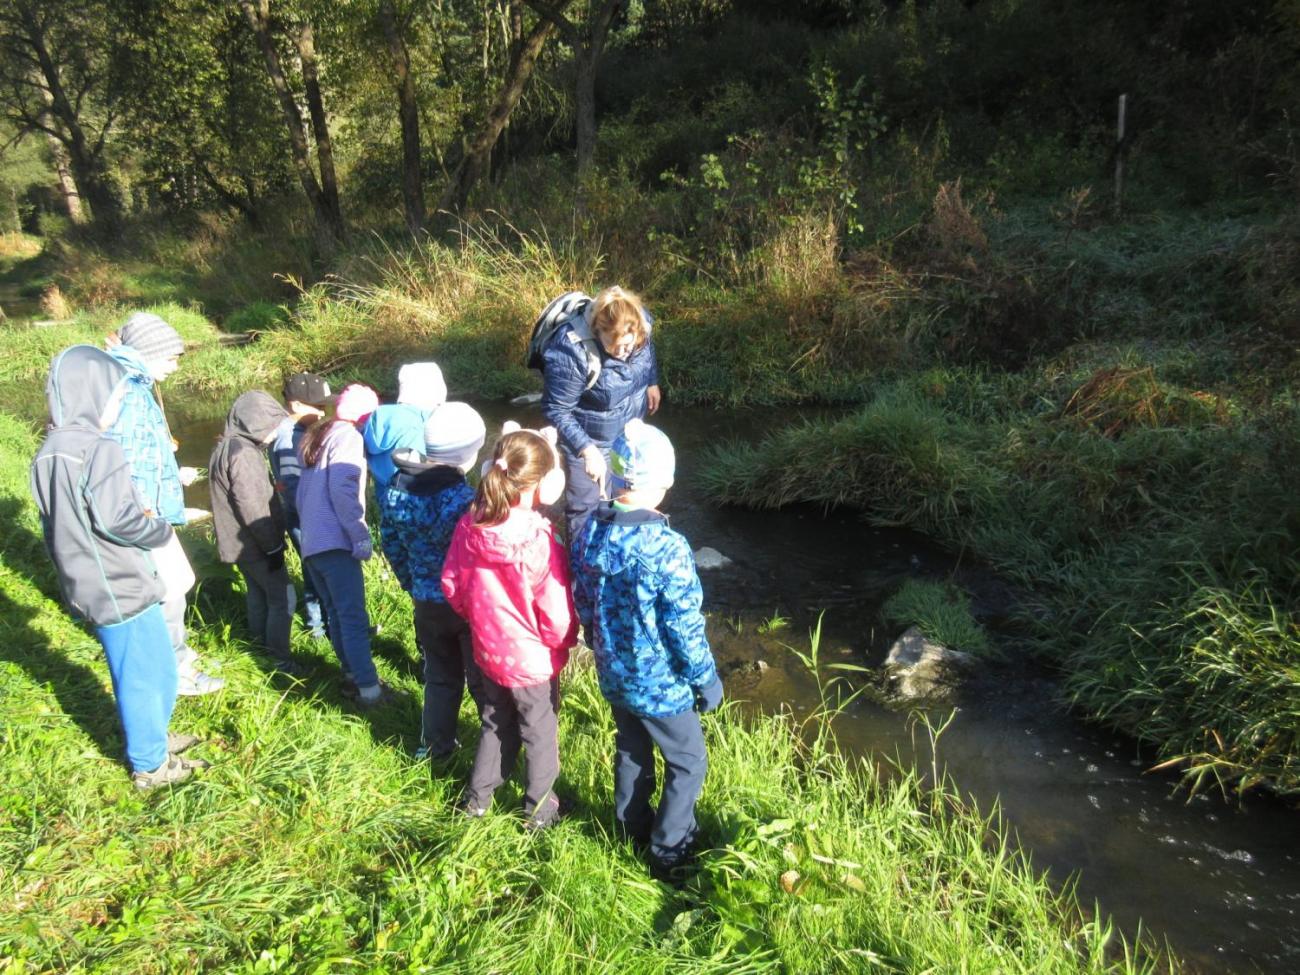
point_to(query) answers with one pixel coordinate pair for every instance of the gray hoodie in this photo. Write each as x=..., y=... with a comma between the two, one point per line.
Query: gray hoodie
x=246, y=511
x=95, y=525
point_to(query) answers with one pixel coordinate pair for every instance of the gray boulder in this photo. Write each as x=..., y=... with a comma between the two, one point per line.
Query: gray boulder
x=711, y=558
x=921, y=669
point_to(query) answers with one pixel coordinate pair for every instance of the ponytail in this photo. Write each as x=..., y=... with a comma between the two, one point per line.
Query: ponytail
x=519, y=462
x=313, y=441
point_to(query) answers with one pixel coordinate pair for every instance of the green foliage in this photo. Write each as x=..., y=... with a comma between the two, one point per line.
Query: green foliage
x=941, y=611
x=256, y=317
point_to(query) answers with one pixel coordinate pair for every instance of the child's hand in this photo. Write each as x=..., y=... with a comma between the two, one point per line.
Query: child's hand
x=708, y=698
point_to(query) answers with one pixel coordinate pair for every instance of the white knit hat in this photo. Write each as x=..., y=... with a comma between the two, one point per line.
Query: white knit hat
x=420, y=384
x=454, y=434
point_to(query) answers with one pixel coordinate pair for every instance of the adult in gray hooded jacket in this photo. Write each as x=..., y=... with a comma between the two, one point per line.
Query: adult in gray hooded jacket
x=249, y=519
x=99, y=536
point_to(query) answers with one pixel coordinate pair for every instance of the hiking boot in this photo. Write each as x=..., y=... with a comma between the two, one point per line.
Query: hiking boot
x=197, y=684
x=178, y=743
x=170, y=772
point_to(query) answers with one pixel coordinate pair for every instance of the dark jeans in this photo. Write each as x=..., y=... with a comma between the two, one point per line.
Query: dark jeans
x=581, y=493
x=448, y=668
x=270, y=603
x=514, y=717
x=313, y=612
x=342, y=589
x=670, y=829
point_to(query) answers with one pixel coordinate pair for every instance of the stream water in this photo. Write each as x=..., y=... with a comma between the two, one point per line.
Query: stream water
x=1219, y=881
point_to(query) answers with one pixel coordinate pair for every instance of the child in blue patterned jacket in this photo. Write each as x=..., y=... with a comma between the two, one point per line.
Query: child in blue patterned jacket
x=424, y=499
x=638, y=595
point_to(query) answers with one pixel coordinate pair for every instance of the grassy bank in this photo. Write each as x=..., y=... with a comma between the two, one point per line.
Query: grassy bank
x=314, y=843
x=1159, y=528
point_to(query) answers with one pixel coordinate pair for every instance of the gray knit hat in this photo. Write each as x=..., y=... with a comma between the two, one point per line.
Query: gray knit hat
x=152, y=338
x=454, y=434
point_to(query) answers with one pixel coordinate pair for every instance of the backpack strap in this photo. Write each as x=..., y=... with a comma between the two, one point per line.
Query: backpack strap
x=571, y=308
x=581, y=335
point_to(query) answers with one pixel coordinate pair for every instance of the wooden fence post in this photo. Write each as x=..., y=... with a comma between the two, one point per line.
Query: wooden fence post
x=1120, y=149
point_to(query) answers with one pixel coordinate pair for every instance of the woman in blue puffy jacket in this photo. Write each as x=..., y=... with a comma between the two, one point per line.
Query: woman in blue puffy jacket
x=600, y=372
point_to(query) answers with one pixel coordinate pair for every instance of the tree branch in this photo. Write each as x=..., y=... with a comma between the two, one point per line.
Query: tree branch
x=572, y=36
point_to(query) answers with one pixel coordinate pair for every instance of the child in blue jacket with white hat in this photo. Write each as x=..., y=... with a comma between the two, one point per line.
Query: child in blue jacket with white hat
x=638, y=595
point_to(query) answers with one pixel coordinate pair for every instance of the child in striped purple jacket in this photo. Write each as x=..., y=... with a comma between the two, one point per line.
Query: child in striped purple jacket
x=331, y=502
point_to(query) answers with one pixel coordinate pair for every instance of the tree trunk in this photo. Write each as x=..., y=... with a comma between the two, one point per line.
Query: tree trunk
x=256, y=13
x=84, y=163
x=409, y=114
x=586, y=110
x=588, y=64
x=67, y=185
x=320, y=127
x=479, y=151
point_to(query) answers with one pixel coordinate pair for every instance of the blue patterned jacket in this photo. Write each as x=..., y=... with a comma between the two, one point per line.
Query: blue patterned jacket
x=422, y=504
x=638, y=594
x=142, y=431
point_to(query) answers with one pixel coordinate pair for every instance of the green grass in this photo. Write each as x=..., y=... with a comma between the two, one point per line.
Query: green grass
x=941, y=611
x=314, y=843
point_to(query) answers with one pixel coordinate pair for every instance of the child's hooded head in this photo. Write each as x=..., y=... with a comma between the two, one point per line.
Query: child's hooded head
x=420, y=384
x=641, y=459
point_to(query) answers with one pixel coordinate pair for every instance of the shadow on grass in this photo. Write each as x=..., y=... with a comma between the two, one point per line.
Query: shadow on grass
x=396, y=724
x=76, y=686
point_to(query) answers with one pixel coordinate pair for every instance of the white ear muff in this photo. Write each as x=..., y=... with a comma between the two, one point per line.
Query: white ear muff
x=551, y=487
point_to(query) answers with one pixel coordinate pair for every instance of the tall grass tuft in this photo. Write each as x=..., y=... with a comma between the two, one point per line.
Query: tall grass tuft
x=941, y=611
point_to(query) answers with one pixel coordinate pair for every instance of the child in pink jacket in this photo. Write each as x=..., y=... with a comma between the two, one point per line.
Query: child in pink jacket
x=508, y=576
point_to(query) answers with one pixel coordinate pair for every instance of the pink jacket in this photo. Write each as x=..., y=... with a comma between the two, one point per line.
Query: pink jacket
x=511, y=583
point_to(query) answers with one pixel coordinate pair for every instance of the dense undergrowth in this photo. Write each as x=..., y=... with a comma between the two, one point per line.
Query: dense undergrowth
x=314, y=843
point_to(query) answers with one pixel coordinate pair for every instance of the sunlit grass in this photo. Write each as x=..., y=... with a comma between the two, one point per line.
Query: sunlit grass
x=314, y=842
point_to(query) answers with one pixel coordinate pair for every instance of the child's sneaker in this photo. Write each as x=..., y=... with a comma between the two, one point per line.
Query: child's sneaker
x=178, y=743
x=170, y=772
x=375, y=696
x=197, y=684
x=547, y=813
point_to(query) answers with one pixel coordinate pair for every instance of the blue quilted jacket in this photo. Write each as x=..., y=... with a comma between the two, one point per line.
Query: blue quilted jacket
x=597, y=415
x=638, y=594
x=421, y=506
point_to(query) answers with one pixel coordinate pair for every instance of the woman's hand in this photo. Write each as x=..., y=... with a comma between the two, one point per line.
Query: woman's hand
x=593, y=462
x=652, y=397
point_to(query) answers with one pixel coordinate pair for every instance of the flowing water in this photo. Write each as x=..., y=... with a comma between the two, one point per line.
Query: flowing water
x=1220, y=881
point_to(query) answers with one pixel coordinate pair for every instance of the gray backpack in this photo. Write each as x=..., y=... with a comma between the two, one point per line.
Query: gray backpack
x=568, y=309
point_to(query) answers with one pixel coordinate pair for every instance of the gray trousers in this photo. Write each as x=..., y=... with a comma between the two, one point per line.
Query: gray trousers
x=513, y=717
x=449, y=668
x=669, y=829
x=270, y=602
x=174, y=615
